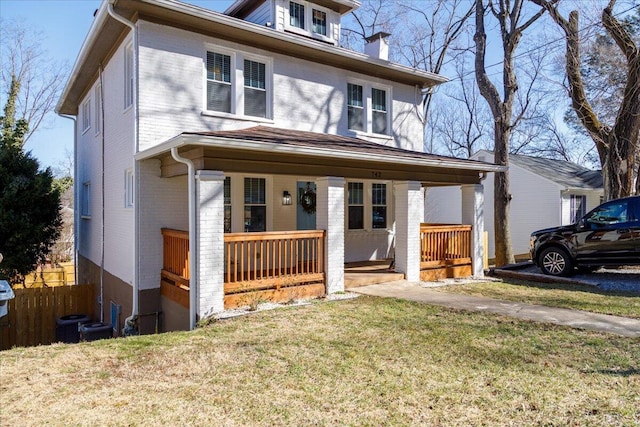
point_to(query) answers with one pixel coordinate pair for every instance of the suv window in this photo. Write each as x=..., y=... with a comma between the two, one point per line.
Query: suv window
x=609, y=214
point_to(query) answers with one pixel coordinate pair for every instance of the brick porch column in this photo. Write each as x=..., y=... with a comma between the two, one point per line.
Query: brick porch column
x=473, y=213
x=330, y=217
x=409, y=210
x=210, y=242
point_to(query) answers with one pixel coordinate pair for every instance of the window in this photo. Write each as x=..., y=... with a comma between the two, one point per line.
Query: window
x=98, y=108
x=356, y=205
x=296, y=15
x=255, y=207
x=379, y=205
x=319, y=22
x=378, y=111
x=355, y=107
x=129, y=188
x=578, y=207
x=218, y=82
x=255, y=92
x=227, y=204
x=85, y=211
x=86, y=115
x=128, y=76
x=609, y=214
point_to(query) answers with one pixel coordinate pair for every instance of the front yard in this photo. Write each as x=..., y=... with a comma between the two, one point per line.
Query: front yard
x=359, y=362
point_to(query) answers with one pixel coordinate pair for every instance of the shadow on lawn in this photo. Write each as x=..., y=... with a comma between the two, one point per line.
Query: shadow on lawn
x=616, y=372
x=593, y=289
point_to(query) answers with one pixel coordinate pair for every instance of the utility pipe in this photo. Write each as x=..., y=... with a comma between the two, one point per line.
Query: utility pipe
x=136, y=166
x=193, y=258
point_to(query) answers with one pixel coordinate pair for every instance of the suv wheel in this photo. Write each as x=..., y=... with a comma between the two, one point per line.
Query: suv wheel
x=556, y=262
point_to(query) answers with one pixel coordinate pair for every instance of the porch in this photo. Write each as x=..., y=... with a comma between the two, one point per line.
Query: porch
x=290, y=265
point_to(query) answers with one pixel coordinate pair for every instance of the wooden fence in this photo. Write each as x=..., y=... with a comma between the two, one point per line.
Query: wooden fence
x=445, y=251
x=33, y=312
x=257, y=266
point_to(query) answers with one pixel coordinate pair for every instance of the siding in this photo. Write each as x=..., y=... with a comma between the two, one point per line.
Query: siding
x=262, y=14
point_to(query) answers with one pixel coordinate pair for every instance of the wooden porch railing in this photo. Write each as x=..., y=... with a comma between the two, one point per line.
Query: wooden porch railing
x=252, y=262
x=445, y=246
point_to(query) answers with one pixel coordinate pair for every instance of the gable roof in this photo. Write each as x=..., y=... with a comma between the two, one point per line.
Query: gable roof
x=562, y=172
x=106, y=32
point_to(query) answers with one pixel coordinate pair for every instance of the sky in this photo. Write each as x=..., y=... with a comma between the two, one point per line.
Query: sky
x=64, y=25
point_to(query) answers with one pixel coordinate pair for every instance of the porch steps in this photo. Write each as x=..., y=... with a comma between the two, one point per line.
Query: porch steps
x=369, y=273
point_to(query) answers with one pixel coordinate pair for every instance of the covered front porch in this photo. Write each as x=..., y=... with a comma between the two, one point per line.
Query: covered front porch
x=243, y=241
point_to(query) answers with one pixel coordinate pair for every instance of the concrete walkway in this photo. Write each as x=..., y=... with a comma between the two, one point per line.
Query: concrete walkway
x=538, y=313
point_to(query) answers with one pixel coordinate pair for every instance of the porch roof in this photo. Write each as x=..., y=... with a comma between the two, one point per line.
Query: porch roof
x=263, y=149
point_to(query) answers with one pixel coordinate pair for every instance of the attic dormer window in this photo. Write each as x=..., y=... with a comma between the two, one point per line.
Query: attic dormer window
x=296, y=15
x=310, y=20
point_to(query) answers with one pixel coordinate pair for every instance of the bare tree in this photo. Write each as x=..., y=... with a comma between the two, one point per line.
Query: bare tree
x=27, y=69
x=509, y=16
x=617, y=143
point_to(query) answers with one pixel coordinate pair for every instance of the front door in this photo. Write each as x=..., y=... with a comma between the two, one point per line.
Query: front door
x=306, y=205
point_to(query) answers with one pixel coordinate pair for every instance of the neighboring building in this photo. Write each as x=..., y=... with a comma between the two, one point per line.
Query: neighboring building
x=222, y=125
x=544, y=192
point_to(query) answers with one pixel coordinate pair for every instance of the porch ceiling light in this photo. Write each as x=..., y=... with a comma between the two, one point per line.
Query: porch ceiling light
x=286, y=198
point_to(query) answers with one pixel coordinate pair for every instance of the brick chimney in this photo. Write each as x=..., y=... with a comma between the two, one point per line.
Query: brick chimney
x=377, y=45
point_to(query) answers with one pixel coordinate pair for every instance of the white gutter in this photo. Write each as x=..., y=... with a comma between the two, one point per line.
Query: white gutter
x=76, y=195
x=193, y=244
x=136, y=168
x=268, y=147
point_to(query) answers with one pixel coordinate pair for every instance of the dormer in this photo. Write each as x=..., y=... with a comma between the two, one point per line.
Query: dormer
x=319, y=19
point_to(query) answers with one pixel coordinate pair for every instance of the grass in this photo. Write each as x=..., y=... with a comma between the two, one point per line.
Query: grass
x=578, y=297
x=365, y=362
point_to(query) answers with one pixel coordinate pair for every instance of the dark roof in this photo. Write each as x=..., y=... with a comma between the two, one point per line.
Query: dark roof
x=561, y=172
x=293, y=138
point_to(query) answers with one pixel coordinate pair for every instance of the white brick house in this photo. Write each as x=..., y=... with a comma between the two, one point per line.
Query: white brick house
x=245, y=123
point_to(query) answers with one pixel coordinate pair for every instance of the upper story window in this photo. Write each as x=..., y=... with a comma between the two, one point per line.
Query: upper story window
x=296, y=15
x=255, y=89
x=378, y=111
x=368, y=114
x=129, y=188
x=85, y=211
x=98, y=108
x=86, y=115
x=128, y=76
x=218, y=82
x=319, y=22
x=238, y=84
x=309, y=19
x=355, y=107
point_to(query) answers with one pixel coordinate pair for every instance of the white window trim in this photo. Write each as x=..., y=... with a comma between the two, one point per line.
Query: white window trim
x=237, y=84
x=368, y=108
x=129, y=189
x=368, y=207
x=237, y=200
x=129, y=80
x=308, y=21
x=98, y=109
x=85, y=207
x=86, y=115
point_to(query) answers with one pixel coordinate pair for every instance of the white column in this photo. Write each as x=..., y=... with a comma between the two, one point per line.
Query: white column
x=210, y=238
x=409, y=210
x=473, y=213
x=330, y=217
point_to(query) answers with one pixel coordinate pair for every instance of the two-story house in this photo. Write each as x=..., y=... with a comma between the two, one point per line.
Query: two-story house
x=227, y=156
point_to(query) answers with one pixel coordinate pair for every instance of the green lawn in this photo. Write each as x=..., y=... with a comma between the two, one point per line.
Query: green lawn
x=587, y=298
x=366, y=361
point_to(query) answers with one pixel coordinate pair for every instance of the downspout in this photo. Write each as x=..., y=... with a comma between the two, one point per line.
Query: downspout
x=102, y=187
x=193, y=259
x=131, y=327
x=76, y=196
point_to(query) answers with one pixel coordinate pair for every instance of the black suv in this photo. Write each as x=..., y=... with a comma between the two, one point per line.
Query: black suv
x=608, y=235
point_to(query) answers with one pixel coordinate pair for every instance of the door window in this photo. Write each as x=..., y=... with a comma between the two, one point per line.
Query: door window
x=609, y=214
